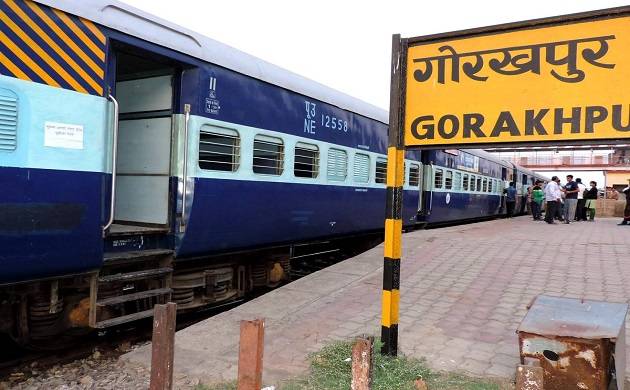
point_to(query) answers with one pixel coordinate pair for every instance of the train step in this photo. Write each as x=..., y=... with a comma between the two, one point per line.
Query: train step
x=123, y=319
x=117, y=258
x=134, y=297
x=137, y=275
x=129, y=285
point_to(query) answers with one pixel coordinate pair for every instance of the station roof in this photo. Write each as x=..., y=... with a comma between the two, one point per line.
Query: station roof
x=130, y=20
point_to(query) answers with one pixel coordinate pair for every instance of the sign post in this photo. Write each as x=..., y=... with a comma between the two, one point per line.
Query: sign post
x=393, y=211
x=558, y=81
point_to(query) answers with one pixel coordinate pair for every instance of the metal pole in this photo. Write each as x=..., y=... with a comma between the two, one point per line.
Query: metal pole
x=393, y=212
x=185, y=167
x=112, y=199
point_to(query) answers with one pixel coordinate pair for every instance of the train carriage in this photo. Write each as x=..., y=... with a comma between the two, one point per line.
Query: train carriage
x=142, y=163
x=462, y=185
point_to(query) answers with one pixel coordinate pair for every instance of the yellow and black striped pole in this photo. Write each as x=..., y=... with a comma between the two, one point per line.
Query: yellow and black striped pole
x=393, y=213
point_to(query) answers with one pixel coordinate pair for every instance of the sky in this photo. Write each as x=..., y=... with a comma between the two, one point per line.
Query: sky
x=345, y=44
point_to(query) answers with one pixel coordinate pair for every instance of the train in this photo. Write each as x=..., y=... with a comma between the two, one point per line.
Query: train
x=142, y=163
x=463, y=185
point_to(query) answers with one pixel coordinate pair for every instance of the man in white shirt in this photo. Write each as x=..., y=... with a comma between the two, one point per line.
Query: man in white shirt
x=552, y=197
x=580, y=212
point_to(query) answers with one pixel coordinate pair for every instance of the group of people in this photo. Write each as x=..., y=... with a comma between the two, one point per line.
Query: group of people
x=570, y=202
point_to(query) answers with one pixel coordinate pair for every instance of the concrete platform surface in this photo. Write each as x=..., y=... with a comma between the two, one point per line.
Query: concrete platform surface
x=464, y=290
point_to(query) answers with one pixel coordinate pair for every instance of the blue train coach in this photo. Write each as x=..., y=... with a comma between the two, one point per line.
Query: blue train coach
x=141, y=163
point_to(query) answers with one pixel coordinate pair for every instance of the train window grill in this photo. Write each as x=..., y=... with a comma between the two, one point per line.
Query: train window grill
x=361, y=168
x=268, y=155
x=306, y=160
x=381, y=171
x=484, y=186
x=337, y=168
x=8, y=122
x=490, y=185
x=479, y=184
x=414, y=175
x=457, y=182
x=465, y=182
x=439, y=178
x=219, y=150
x=473, y=183
x=448, y=180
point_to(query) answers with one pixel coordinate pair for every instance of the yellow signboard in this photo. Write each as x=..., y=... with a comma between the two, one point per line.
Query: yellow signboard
x=554, y=83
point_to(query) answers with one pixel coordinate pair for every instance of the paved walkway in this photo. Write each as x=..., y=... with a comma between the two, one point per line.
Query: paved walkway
x=464, y=291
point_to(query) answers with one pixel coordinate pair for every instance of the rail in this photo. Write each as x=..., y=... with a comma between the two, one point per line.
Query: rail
x=112, y=199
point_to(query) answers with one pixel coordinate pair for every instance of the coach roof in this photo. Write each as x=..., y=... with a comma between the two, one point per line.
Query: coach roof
x=130, y=20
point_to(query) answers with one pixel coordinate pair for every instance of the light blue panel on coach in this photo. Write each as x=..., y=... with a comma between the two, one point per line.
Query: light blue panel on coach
x=67, y=113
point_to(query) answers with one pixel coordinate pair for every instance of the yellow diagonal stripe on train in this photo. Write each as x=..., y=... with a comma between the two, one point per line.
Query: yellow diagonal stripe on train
x=27, y=60
x=17, y=72
x=50, y=42
x=42, y=53
x=68, y=41
x=80, y=34
x=97, y=33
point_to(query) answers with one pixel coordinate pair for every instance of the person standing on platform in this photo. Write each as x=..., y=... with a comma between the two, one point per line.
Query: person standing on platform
x=510, y=199
x=590, y=196
x=560, y=205
x=570, y=200
x=538, y=196
x=580, y=210
x=552, y=197
x=626, y=211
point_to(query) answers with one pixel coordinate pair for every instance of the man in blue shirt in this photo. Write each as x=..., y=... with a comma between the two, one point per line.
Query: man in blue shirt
x=571, y=190
x=510, y=200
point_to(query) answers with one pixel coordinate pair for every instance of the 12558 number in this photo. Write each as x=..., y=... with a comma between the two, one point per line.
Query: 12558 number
x=331, y=122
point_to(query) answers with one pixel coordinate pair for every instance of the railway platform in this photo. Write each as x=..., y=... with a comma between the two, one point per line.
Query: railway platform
x=464, y=291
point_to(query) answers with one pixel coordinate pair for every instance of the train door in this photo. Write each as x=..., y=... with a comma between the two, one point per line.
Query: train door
x=144, y=88
x=524, y=189
x=504, y=184
x=420, y=188
x=138, y=254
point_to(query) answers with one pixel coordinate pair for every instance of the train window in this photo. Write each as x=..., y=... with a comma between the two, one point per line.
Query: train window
x=448, y=180
x=381, y=170
x=306, y=160
x=457, y=182
x=484, y=186
x=268, y=155
x=465, y=182
x=337, y=168
x=414, y=175
x=439, y=175
x=489, y=185
x=219, y=149
x=361, y=168
x=479, y=184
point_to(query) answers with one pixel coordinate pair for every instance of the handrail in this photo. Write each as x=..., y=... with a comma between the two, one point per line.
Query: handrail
x=114, y=162
x=185, y=168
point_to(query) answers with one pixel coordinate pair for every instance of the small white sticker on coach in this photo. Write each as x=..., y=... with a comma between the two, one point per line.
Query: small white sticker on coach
x=63, y=135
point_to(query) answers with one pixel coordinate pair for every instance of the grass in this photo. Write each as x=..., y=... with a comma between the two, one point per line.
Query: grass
x=331, y=370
